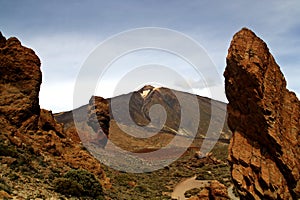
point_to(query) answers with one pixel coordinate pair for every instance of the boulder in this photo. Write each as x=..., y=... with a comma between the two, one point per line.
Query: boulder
x=215, y=191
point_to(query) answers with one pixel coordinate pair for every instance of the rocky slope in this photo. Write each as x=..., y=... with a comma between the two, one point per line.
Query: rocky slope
x=263, y=115
x=35, y=152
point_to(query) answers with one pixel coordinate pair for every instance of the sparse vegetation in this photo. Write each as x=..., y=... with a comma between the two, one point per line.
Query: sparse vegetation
x=160, y=184
x=68, y=187
x=192, y=192
x=6, y=150
x=79, y=183
x=4, y=186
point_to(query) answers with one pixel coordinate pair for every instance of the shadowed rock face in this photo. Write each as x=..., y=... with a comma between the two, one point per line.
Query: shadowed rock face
x=142, y=101
x=98, y=119
x=20, y=79
x=263, y=115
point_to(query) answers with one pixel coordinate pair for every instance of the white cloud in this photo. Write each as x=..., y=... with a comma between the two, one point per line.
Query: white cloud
x=57, y=97
x=61, y=57
x=63, y=38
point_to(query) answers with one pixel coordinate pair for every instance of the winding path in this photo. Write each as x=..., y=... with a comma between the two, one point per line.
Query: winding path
x=190, y=183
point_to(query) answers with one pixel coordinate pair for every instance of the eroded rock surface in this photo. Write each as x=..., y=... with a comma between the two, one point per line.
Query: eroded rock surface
x=98, y=119
x=263, y=115
x=215, y=191
x=20, y=79
x=34, y=148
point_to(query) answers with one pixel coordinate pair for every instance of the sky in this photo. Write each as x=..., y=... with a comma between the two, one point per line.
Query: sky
x=65, y=33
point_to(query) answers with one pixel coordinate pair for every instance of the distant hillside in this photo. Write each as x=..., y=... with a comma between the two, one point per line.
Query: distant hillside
x=136, y=116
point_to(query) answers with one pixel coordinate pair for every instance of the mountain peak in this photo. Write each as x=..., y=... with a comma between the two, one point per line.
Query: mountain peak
x=146, y=90
x=147, y=87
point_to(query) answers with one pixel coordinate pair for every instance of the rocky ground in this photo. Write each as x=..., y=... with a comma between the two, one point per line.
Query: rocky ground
x=34, y=178
x=36, y=155
x=161, y=183
x=46, y=157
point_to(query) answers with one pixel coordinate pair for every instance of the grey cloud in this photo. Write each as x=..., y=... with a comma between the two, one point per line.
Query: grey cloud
x=211, y=23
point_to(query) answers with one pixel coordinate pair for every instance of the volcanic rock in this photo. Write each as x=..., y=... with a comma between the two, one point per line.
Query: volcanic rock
x=89, y=123
x=218, y=190
x=47, y=123
x=263, y=115
x=98, y=119
x=215, y=191
x=20, y=79
x=98, y=113
x=32, y=143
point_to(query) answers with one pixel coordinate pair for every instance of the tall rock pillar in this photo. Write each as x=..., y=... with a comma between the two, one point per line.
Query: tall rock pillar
x=263, y=115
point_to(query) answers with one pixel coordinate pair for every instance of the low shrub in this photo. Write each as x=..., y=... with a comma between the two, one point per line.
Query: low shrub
x=68, y=187
x=191, y=192
x=4, y=186
x=6, y=150
x=79, y=183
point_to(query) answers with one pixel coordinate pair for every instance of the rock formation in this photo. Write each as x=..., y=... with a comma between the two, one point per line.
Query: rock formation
x=98, y=119
x=32, y=144
x=263, y=115
x=20, y=79
x=47, y=123
x=215, y=191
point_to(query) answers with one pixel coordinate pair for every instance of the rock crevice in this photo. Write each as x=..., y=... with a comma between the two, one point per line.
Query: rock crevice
x=264, y=116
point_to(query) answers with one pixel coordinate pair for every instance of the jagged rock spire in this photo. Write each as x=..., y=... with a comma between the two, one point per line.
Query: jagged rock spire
x=263, y=115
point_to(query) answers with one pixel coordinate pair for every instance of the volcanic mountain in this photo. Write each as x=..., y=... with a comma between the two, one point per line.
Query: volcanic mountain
x=64, y=155
x=136, y=116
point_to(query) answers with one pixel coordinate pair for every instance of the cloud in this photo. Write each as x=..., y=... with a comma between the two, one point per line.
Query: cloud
x=61, y=59
x=64, y=33
x=57, y=97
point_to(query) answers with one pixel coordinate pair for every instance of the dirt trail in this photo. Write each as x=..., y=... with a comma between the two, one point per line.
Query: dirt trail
x=188, y=184
x=231, y=194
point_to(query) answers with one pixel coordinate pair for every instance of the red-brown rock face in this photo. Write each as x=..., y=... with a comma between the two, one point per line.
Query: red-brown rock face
x=20, y=79
x=29, y=136
x=264, y=117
